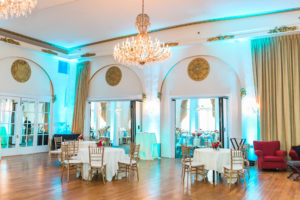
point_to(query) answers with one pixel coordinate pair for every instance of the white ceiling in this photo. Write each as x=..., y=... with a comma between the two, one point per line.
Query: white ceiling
x=69, y=23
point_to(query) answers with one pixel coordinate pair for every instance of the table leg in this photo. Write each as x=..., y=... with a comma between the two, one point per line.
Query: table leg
x=291, y=174
x=296, y=177
x=214, y=177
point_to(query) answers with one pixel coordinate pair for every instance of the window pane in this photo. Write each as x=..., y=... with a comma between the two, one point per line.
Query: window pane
x=8, y=105
x=43, y=118
x=4, y=141
x=7, y=117
x=4, y=129
x=44, y=107
x=12, y=142
x=28, y=106
x=23, y=141
x=30, y=140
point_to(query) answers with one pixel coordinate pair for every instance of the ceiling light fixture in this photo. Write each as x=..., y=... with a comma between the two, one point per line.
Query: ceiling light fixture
x=16, y=8
x=140, y=49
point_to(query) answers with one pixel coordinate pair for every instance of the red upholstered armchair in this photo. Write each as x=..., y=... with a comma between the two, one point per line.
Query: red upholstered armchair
x=293, y=154
x=269, y=155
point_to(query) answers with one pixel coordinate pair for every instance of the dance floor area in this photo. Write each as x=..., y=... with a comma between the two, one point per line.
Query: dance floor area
x=32, y=177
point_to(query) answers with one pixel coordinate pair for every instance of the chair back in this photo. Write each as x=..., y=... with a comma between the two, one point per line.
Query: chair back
x=76, y=147
x=57, y=142
x=268, y=148
x=186, y=154
x=236, y=158
x=96, y=154
x=134, y=152
x=65, y=154
x=237, y=145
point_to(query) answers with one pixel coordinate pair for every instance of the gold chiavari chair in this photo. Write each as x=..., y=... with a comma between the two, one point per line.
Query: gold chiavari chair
x=236, y=167
x=129, y=165
x=246, y=158
x=68, y=162
x=57, y=145
x=96, y=161
x=189, y=166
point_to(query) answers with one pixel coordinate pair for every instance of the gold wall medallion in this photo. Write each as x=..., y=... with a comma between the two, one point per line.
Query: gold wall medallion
x=198, y=69
x=21, y=71
x=113, y=76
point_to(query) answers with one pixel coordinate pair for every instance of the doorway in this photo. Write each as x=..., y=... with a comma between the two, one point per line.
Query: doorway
x=200, y=121
x=116, y=121
x=24, y=125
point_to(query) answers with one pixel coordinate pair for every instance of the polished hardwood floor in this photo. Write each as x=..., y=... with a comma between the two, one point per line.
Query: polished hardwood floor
x=32, y=177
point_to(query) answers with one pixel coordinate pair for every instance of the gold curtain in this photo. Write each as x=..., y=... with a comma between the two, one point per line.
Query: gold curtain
x=183, y=110
x=276, y=68
x=103, y=110
x=82, y=89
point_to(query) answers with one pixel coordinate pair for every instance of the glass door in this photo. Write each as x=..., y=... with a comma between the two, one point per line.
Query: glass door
x=8, y=121
x=28, y=122
x=24, y=125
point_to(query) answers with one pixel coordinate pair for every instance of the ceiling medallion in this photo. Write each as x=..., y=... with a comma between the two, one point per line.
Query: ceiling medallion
x=113, y=76
x=16, y=8
x=198, y=69
x=141, y=49
x=21, y=71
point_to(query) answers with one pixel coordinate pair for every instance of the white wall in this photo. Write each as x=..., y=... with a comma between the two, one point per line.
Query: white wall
x=221, y=81
x=231, y=70
x=38, y=84
x=130, y=86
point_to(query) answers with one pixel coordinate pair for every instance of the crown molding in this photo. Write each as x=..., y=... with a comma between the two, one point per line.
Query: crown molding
x=33, y=41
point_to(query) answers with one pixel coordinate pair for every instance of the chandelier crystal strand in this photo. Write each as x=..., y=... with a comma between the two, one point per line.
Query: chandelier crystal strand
x=141, y=49
x=16, y=8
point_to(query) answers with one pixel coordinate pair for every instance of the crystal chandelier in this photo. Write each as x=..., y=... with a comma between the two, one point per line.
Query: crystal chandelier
x=16, y=8
x=141, y=49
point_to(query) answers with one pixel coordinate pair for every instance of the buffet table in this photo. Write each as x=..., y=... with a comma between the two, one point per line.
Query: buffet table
x=148, y=145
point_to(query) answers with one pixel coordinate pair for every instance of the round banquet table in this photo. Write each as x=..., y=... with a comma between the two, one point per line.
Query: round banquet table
x=214, y=160
x=148, y=145
x=111, y=158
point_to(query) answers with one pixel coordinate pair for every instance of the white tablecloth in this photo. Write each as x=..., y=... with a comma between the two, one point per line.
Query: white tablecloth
x=111, y=158
x=85, y=144
x=148, y=145
x=213, y=159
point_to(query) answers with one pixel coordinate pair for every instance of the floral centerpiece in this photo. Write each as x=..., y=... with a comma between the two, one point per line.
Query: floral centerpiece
x=194, y=134
x=199, y=134
x=80, y=137
x=216, y=131
x=101, y=143
x=216, y=145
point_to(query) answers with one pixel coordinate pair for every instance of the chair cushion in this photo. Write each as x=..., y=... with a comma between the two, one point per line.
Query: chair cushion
x=57, y=151
x=196, y=164
x=273, y=159
x=234, y=167
x=96, y=164
x=297, y=149
x=72, y=162
x=126, y=161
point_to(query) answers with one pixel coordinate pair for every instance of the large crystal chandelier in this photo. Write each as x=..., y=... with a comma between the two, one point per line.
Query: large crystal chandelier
x=140, y=49
x=16, y=8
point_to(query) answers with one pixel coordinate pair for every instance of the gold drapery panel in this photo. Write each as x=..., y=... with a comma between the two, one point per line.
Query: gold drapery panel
x=183, y=110
x=82, y=89
x=103, y=110
x=276, y=68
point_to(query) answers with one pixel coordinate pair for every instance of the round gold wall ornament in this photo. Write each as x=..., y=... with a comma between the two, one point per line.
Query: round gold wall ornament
x=198, y=69
x=21, y=71
x=113, y=76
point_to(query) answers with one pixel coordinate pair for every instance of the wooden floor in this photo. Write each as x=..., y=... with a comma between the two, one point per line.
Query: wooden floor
x=32, y=177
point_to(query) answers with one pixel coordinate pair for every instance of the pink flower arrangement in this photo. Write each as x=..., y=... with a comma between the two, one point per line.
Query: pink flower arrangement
x=101, y=143
x=216, y=145
x=216, y=131
x=199, y=134
x=80, y=137
x=193, y=134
